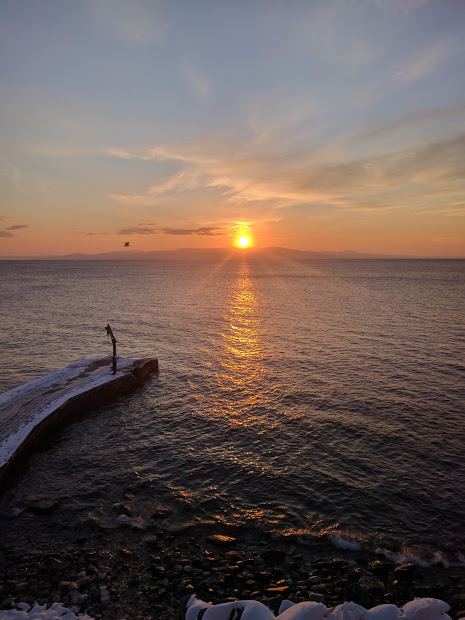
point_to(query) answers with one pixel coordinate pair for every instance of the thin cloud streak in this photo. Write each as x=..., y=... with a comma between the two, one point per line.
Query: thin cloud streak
x=201, y=231
x=307, y=178
x=423, y=62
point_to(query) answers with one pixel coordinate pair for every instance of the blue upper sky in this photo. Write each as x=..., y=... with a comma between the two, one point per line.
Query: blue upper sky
x=321, y=124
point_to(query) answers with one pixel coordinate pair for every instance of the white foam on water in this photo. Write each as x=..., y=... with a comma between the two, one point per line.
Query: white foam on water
x=345, y=543
x=437, y=557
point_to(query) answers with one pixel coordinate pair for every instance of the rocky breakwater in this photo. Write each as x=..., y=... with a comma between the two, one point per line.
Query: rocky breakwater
x=29, y=413
x=147, y=576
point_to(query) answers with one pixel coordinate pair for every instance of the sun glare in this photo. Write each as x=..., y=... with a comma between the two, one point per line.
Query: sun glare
x=243, y=241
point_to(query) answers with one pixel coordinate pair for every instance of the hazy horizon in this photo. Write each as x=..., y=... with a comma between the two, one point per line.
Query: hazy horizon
x=321, y=125
x=274, y=252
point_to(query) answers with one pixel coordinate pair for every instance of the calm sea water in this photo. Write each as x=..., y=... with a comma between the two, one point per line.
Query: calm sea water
x=316, y=397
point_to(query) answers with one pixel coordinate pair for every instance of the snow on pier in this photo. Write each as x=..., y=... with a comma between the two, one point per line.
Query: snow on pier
x=29, y=412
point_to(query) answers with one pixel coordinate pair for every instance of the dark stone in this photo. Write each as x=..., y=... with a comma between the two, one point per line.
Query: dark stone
x=367, y=591
x=122, y=509
x=404, y=571
x=278, y=590
x=380, y=567
x=220, y=540
x=232, y=557
x=44, y=506
x=458, y=601
x=151, y=542
x=273, y=556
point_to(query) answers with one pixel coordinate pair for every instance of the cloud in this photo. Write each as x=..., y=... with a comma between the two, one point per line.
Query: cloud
x=137, y=230
x=402, y=6
x=138, y=21
x=423, y=119
x=202, y=231
x=195, y=78
x=424, y=62
x=6, y=234
x=379, y=168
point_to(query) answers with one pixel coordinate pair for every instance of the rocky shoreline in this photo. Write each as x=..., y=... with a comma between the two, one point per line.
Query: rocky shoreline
x=146, y=576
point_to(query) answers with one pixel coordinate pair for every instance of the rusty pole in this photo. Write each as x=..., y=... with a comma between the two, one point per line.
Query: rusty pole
x=113, y=340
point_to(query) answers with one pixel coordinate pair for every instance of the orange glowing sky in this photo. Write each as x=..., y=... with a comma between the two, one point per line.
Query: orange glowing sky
x=331, y=126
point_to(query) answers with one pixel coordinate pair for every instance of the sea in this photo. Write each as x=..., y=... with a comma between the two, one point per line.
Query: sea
x=313, y=399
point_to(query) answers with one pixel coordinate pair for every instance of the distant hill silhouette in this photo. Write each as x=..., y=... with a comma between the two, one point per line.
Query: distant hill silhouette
x=213, y=254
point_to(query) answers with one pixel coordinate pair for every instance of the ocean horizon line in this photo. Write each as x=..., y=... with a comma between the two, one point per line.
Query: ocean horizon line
x=222, y=253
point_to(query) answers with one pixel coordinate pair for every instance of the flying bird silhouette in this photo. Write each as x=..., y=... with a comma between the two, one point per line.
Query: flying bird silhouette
x=126, y=244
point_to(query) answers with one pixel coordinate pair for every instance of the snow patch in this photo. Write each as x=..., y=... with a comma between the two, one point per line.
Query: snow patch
x=97, y=377
x=40, y=612
x=418, y=609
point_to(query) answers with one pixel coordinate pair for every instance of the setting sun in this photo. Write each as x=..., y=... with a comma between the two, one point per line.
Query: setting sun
x=243, y=242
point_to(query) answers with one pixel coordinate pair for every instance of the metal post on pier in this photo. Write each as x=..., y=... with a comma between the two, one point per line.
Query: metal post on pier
x=113, y=340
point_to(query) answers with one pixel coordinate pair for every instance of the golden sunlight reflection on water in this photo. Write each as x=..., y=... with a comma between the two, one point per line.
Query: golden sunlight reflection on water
x=241, y=352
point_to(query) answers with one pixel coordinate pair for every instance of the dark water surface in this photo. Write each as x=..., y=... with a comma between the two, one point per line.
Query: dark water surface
x=315, y=397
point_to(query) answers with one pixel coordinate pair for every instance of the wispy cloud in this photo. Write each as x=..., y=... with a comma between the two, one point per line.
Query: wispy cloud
x=7, y=232
x=400, y=6
x=313, y=177
x=201, y=231
x=138, y=21
x=13, y=173
x=424, y=62
x=196, y=78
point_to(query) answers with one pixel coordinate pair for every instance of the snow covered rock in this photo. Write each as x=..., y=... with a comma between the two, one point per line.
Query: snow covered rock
x=425, y=609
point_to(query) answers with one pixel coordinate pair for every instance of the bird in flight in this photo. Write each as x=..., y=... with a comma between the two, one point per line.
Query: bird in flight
x=126, y=244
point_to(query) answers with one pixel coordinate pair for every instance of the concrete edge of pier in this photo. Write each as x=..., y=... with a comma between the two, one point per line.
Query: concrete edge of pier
x=72, y=399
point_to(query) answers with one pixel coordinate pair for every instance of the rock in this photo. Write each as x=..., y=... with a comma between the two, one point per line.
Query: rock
x=278, y=590
x=122, y=509
x=220, y=540
x=367, y=591
x=273, y=556
x=232, y=557
x=152, y=543
x=44, y=506
x=316, y=597
x=104, y=596
x=458, y=601
x=380, y=568
x=7, y=603
x=77, y=598
x=404, y=571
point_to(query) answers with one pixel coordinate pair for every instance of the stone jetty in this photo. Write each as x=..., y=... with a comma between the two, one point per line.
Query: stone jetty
x=29, y=413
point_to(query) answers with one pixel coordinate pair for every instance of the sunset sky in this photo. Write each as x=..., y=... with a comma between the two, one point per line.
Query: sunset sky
x=313, y=124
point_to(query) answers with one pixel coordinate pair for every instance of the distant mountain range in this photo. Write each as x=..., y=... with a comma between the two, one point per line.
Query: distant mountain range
x=213, y=254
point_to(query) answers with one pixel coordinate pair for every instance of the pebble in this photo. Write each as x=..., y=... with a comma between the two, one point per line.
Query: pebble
x=149, y=576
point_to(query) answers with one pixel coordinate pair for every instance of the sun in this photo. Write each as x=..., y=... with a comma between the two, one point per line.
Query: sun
x=243, y=242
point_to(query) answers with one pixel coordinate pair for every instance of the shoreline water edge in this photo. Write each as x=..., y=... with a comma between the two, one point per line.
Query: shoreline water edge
x=140, y=574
